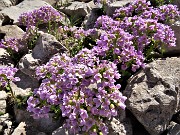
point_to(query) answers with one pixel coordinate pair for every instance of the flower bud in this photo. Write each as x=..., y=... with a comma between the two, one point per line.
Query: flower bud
x=89, y=108
x=70, y=102
x=100, y=133
x=94, y=130
x=112, y=106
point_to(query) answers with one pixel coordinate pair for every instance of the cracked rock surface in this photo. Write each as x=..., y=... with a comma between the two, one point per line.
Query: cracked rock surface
x=153, y=94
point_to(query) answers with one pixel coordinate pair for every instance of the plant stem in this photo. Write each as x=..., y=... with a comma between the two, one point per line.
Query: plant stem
x=12, y=94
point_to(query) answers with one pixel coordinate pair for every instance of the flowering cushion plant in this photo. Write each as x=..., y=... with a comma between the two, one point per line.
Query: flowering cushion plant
x=7, y=75
x=85, y=85
x=85, y=89
x=43, y=15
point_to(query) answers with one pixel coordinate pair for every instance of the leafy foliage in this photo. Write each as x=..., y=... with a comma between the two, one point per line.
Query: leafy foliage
x=84, y=87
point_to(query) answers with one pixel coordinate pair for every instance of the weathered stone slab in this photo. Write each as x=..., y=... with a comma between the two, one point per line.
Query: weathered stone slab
x=154, y=94
x=28, y=64
x=51, y=2
x=123, y=127
x=2, y=106
x=174, y=129
x=175, y=51
x=6, y=123
x=26, y=84
x=20, y=130
x=76, y=9
x=5, y=59
x=4, y=4
x=46, y=125
x=11, y=31
x=109, y=9
x=91, y=18
x=15, y=2
x=46, y=46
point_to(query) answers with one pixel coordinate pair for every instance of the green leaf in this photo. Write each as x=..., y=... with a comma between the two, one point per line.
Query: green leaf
x=1, y=113
x=48, y=75
x=8, y=88
x=61, y=71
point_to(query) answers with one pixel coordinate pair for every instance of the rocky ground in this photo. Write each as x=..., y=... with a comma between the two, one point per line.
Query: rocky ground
x=153, y=105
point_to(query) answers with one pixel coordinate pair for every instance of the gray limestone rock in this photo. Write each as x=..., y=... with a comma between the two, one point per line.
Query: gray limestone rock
x=173, y=129
x=28, y=64
x=4, y=4
x=120, y=127
x=4, y=117
x=77, y=10
x=175, y=50
x=11, y=31
x=51, y=2
x=176, y=2
x=3, y=19
x=178, y=117
x=65, y=20
x=63, y=3
x=154, y=94
x=22, y=115
x=5, y=59
x=25, y=86
x=46, y=47
x=20, y=130
x=6, y=123
x=9, y=128
x=109, y=9
x=3, y=105
x=84, y=0
x=46, y=125
x=60, y=131
x=91, y=18
x=1, y=129
x=3, y=95
x=15, y=2
x=41, y=133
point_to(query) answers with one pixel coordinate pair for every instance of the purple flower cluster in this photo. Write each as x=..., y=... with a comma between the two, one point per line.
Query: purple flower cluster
x=134, y=8
x=146, y=31
x=77, y=33
x=144, y=9
x=163, y=13
x=169, y=12
x=154, y=13
x=12, y=43
x=85, y=89
x=30, y=19
x=7, y=75
x=31, y=31
x=127, y=41
x=40, y=16
x=116, y=44
x=106, y=23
